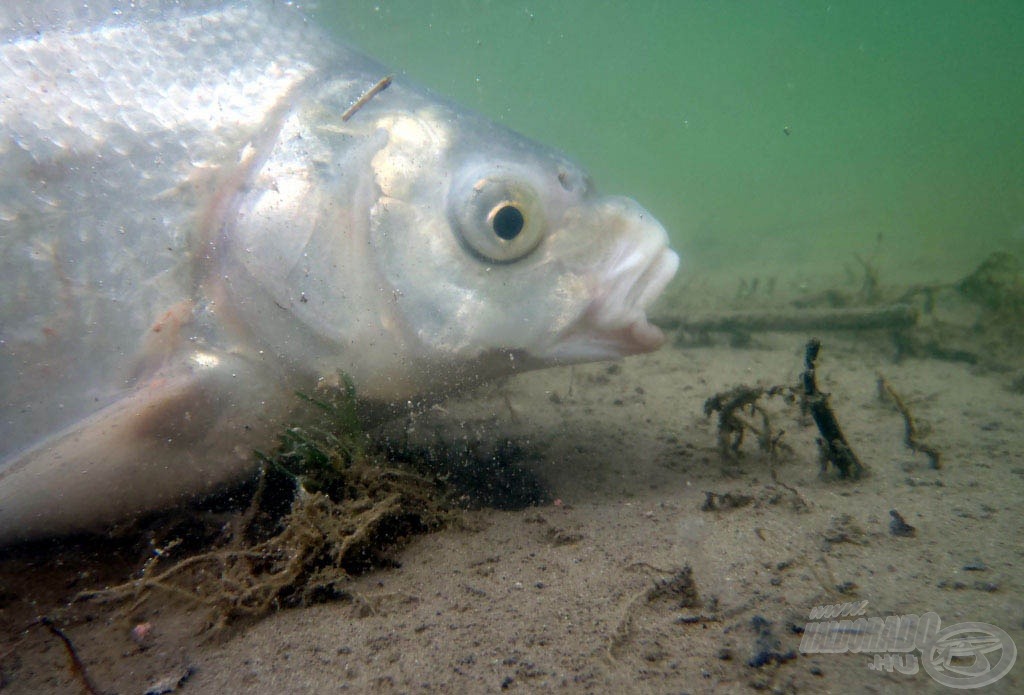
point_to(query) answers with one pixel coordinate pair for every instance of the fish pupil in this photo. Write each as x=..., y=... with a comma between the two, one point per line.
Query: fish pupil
x=507, y=222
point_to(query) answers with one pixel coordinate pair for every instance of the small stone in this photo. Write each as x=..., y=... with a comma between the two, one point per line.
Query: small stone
x=170, y=683
x=899, y=526
x=140, y=632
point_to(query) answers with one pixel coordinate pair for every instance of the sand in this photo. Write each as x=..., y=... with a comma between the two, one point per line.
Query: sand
x=590, y=592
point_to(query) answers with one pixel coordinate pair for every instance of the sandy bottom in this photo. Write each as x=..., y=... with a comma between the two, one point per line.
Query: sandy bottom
x=589, y=593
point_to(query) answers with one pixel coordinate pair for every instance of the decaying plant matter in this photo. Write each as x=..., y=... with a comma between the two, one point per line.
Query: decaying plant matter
x=738, y=407
x=322, y=509
x=305, y=559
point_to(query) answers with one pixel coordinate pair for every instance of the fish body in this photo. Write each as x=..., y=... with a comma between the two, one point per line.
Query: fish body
x=193, y=230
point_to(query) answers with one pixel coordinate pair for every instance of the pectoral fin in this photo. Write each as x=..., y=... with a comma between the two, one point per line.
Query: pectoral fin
x=183, y=431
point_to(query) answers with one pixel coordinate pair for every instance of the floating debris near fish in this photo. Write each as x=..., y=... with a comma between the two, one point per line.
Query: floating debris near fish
x=370, y=93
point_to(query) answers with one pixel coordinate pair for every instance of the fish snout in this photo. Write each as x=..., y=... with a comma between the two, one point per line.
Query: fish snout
x=631, y=282
x=634, y=268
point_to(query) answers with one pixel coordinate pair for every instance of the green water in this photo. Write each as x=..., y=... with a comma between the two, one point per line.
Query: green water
x=785, y=135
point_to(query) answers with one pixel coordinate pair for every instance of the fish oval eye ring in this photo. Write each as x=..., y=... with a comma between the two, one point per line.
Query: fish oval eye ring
x=500, y=219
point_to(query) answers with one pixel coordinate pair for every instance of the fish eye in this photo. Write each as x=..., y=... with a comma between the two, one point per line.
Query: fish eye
x=498, y=218
x=507, y=221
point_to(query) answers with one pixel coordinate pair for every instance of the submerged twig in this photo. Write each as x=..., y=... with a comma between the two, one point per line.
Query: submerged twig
x=869, y=291
x=895, y=316
x=75, y=662
x=834, y=447
x=909, y=425
x=373, y=91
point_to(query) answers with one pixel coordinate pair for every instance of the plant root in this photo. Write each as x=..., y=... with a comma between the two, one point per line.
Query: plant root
x=315, y=547
x=910, y=433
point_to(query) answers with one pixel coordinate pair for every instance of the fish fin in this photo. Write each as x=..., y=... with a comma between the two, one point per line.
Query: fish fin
x=183, y=431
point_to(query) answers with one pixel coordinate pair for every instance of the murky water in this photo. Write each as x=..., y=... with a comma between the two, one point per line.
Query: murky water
x=792, y=133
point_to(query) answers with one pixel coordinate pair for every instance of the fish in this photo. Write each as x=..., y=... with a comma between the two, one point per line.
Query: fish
x=210, y=207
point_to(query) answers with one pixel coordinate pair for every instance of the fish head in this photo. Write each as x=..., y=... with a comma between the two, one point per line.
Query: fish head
x=502, y=254
x=421, y=249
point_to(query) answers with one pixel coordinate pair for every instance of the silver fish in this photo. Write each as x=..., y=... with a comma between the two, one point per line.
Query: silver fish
x=191, y=233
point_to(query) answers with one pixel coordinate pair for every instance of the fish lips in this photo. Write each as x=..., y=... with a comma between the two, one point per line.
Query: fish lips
x=614, y=324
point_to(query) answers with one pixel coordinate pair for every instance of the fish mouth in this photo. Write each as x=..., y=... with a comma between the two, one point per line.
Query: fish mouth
x=614, y=324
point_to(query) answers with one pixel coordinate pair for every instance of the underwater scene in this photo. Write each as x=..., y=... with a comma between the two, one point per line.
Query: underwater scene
x=478, y=346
